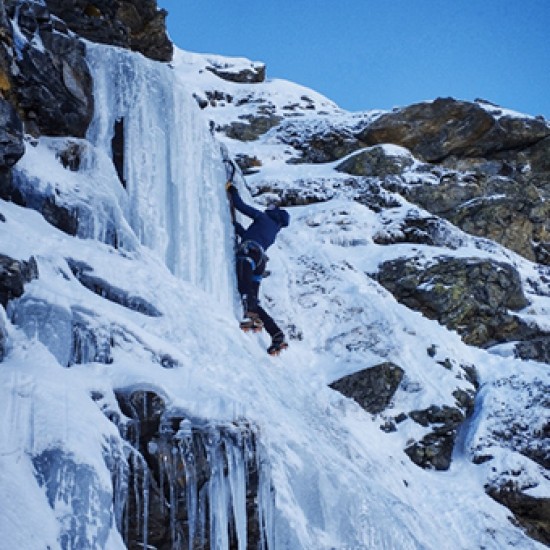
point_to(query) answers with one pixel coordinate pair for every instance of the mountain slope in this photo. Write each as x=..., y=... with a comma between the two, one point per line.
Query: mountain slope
x=138, y=306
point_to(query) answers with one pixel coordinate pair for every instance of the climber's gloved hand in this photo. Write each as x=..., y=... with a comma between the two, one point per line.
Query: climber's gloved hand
x=229, y=187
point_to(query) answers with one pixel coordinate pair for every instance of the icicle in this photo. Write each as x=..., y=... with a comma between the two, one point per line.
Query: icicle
x=206, y=474
x=265, y=501
x=237, y=482
x=192, y=504
x=217, y=492
x=168, y=456
x=145, y=504
x=173, y=495
x=120, y=489
x=126, y=532
x=137, y=493
x=185, y=444
x=202, y=519
x=141, y=496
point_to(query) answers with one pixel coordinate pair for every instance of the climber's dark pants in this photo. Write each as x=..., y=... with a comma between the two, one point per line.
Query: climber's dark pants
x=251, y=261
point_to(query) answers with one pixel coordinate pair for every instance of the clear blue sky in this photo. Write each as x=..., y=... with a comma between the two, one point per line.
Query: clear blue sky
x=378, y=54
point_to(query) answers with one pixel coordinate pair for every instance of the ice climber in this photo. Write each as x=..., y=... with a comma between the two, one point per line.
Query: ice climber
x=251, y=263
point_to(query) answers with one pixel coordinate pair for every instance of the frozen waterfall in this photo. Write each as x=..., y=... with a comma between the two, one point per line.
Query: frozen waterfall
x=196, y=486
x=149, y=123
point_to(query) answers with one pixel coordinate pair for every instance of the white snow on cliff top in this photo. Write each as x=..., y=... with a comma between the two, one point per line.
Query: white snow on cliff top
x=192, y=68
x=280, y=92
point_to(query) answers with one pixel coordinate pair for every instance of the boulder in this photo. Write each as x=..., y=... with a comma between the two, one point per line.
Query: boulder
x=25, y=193
x=434, y=451
x=527, y=166
x=146, y=28
x=311, y=190
x=70, y=154
x=535, y=163
x=216, y=97
x=247, y=164
x=531, y=513
x=65, y=208
x=367, y=192
x=469, y=295
x=94, y=341
x=13, y=276
x=537, y=349
x=6, y=55
x=12, y=147
x=50, y=323
x=253, y=73
x=318, y=143
x=417, y=229
x=441, y=198
x=510, y=212
x=516, y=426
x=372, y=388
x=378, y=161
x=133, y=24
x=251, y=128
x=435, y=130
x=53, y=84
x=520, y=223
x=77, y=491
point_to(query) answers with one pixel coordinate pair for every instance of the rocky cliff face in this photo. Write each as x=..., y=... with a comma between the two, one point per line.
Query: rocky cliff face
x=135, y=24
x=435, y=175
x=44, y=73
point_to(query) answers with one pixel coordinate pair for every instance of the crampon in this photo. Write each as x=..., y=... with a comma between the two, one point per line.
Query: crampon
x=253, y=324
x=278, y=344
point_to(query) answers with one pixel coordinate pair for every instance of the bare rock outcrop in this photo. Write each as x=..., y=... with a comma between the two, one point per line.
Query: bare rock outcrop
x=434, y=131
x=134, y=24
x=377, y=161
x=372, y=388
x=52, y=84
x=11, y=136
x=253, y=73
x=472, y=296
x=511, y=212
x=13, y=276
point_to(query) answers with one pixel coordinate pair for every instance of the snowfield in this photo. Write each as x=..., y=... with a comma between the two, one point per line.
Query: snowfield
x=340, y=482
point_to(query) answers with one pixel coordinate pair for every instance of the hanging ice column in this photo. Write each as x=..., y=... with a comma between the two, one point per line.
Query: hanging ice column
x=191, y=484
x=171, y=166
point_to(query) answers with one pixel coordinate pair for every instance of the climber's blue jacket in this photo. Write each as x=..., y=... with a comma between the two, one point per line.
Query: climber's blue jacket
x=263, y=230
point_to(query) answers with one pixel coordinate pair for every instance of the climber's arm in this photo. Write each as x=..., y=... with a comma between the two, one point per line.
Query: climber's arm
x=241, y=206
